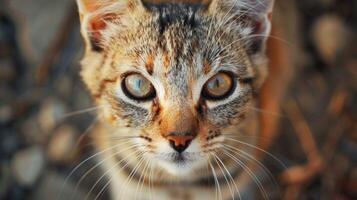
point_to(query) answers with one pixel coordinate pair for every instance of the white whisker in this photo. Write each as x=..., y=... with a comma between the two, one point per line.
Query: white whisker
x=132, y=173
x=250, y=173
x=218, y=187
x=250, y=157
x=80, y=164
x=141, y=180
x=86, y=110
x=260, y=149
x=229, y=175
x=106, y=185
x=101, y=162
x=266, y=112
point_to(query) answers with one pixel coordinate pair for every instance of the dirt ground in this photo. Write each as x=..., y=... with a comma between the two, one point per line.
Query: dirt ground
x=43, y=135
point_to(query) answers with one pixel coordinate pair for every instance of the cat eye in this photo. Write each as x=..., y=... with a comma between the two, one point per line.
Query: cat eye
x=137, y=87
x=219, y=86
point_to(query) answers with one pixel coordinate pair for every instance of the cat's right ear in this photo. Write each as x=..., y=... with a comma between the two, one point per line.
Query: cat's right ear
x=253, y=17
x=97, y=15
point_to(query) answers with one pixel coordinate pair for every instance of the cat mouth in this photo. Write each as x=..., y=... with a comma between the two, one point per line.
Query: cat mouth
x=179, y=164
x=180, y=159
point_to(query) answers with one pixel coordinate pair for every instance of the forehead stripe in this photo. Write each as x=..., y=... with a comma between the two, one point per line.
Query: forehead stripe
x=149, y=64
x=206, y=66
x=166, y=59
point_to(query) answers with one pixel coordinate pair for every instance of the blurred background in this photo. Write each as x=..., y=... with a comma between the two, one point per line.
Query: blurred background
x=44, y=115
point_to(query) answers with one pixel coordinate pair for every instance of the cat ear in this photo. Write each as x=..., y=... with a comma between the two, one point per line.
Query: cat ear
x=96, y=15
x=252, y=19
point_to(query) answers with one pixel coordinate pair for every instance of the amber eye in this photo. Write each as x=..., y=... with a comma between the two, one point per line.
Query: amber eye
x=219, y=86
x=137, y=87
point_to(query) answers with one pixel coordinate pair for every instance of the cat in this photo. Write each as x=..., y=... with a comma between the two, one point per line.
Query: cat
x=176, y=84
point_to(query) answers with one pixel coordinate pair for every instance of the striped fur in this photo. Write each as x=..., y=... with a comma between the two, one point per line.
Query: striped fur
x=177, y=46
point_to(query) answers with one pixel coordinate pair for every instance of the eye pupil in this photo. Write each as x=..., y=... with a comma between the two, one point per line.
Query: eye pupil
x=218, y=87
x=138, y=87
x=217, y=82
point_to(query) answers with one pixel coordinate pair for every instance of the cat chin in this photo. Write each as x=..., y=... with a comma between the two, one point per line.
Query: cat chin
x=181, y=169
x=176, y=170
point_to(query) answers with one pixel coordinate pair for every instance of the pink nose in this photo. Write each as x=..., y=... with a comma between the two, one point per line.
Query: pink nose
x=180, y=139
x=179, y=142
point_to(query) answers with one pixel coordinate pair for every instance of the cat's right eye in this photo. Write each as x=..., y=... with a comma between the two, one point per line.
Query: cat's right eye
x=137, y=87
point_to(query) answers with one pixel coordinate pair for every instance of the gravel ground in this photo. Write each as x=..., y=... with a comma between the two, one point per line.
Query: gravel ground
x=43, y=138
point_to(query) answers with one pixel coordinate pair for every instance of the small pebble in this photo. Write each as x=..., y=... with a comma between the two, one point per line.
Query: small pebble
x=54, y=186
x=7, y=70
x=61, y=147
x=6, y=113
x=64, y=86
x=51, y=114
x=330, y=36
x=6, y=93
x=32, y=132
x=5, y=179
x=9, y=143
x=27, y=165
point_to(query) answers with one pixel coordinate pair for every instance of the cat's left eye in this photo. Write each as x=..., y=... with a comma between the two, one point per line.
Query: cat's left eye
x=137, y=87
x=219, y=86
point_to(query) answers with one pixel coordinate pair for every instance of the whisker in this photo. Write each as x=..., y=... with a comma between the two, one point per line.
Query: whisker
x=229, y=175
x=141, y=179
x=83, y=111
x=80, y=164
x=226, y=17
x=267, y=112
x=86, y=132
x=260, y=149
x=225, y=177
x=121, y=137
x=272, y=37
x=101, y=162
x=218, y=187
x=132, y=173
x=240, y=16
x=250, y=157
x=250, y=173
x=100, y=178
x=118, y=138
x=150, y=180
x=267, y=139
x=239, y=195
x=249, y=37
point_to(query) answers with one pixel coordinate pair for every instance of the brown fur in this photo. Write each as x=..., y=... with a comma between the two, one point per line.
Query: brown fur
x=177, y=47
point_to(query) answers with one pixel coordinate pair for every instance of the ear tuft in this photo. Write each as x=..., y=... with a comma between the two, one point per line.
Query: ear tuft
x=96, y=15
x=95, y=25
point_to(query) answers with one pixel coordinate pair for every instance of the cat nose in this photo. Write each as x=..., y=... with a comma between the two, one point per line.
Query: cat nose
x=180, y=142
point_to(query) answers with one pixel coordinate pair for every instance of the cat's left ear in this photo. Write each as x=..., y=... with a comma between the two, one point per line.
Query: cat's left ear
x=96, y=16
x=252, y=17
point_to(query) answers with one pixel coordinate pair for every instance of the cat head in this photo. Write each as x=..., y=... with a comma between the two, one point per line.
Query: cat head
x=178, y=77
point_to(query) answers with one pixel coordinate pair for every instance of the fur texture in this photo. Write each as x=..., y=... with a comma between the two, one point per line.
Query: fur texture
x=178, y=47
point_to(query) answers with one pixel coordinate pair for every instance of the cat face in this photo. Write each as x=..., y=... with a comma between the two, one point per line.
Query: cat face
x=177, y=78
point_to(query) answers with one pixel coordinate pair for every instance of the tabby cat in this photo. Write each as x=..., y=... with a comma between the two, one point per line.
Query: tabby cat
x=176, y=84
